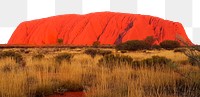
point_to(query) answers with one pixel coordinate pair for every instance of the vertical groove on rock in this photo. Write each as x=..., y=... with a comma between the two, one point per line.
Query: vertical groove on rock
x=104, y=28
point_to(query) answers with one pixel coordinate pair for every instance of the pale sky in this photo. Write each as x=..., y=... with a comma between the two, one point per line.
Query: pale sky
x=44, y=8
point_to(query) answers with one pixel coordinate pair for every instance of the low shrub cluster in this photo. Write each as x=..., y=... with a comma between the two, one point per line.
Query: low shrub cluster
x=158, y=62
x=16, y=56
x=154, y=62
x=63, y=57
x=194, y=60
x=196, y=47
x=169, y=44
x=104, y=52
x=91, y=52
x=123, y=51
x=38, y=57
x=150, y=40
x=96, y=44
x=133, y=45
x=111, y=60
x=155, y=46
x=24, y=50
x=147, y=43
x=94, y=52
x=181, y=50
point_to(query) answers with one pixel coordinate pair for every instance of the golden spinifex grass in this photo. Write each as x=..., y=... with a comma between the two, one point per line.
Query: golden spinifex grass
x=41, y=77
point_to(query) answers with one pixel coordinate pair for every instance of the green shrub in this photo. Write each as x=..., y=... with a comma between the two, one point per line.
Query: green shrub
x=154, y=62
x=181, y=50
x=169, y=44
x=150, y=40
x=111, y=60
x=136, y=64
x=104, y=52
x=96, y=44
x=60, y=41
x=157, y=61
x=91, y=52
x=158, y=47
x=63, y=57
x=16, y=56
x=123, y=51
x=194, y=60
x=133, y=45
x=24, y=50
x=195, y=47
x=94, y=52
x=38, y=57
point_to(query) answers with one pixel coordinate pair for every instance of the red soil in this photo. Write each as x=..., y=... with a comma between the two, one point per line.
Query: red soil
x=106, y=27
x=70, y=94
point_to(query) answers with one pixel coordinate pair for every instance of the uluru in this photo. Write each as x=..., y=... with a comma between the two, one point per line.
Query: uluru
x=105, y=27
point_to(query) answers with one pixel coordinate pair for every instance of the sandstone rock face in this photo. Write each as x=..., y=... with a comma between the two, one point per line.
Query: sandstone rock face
x=105, y=27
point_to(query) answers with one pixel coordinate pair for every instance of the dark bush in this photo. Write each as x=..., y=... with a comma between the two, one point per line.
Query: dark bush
x=104, y=52
x=181, y=50
x=60, y=41
x=94, y=52
x=123, y=51
x=160, y=62
x=96, y=44
x=194, y=60
x=16, y=56
x=136, y=64
x=193, y=55
x=150, y=40
x=195, y=47
x=111, y=60
x=38, y=57
x=63, y=57
x=158, y=47
x=91, y=52
x=24, y=50
x=169, y=44
x=133, y=45
x=43, y=91
x=155, y=62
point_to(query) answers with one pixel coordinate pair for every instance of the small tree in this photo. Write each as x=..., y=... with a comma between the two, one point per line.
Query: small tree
x=91, y=52
x=96, y=44
x=150, y=40
x=60, y=41
x=170, y=44
x=133, y=45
